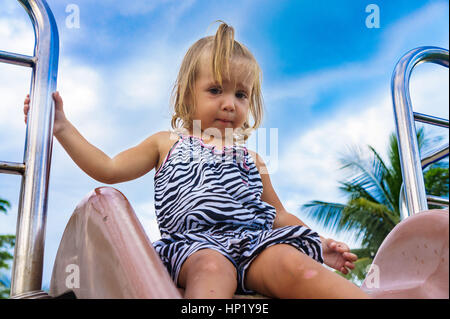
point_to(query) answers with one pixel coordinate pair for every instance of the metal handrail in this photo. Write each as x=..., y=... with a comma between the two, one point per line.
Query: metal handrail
x=12, y=168
x=435, y=156
x=26, y=278
x=430, y=158
x=424, y=118
x=414, y=186
x=435, y=200
x=18, y=59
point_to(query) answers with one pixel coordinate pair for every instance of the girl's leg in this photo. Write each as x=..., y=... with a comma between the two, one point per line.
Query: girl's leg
x=281, y=271
x=208, y=274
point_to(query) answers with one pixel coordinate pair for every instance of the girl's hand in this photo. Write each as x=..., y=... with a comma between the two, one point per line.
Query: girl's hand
x=337, y=255
x=60, y=117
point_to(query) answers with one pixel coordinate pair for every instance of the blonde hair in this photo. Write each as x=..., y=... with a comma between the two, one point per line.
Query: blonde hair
x=223, y=48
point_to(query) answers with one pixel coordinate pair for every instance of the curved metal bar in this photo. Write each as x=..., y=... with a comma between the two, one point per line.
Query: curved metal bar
x=12, y=168
x=416, y=199
x=428, y=119
x=17, y=59
x=30, y=234
x=435, y=156
x=435, y=200
x=430, y=158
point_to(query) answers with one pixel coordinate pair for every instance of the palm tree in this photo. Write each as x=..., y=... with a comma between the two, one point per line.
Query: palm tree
x=6, y=243
x=3, y=205
x=372, y=209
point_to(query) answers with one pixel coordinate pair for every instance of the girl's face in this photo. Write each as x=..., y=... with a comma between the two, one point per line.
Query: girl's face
x=223, y=106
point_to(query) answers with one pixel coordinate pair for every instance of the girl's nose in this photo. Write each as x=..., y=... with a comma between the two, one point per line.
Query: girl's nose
x=228, y=103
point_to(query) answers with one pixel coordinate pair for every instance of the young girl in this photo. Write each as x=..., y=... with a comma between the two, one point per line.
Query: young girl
x=223, y=228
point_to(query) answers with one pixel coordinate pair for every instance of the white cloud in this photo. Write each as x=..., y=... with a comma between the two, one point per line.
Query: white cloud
x=311, y=162
x=13, y=88
x=144, y=82
x=309, y=169
x=395, y=38
x=82, y=88
x=309, y=87
x=429, y=90
x=85, y=98
x=421, y=28
x=16, y=34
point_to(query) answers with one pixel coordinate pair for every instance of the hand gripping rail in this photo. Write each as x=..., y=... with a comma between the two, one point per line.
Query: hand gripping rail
x=411, y=163
x=26, y=279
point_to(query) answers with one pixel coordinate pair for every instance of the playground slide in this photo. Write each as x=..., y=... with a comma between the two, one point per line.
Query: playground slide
x=105, y=253
x=412, y=262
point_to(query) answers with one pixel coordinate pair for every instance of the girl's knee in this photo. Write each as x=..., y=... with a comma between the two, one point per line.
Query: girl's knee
x=211, y=263
x=291, y=261
x=278, y=268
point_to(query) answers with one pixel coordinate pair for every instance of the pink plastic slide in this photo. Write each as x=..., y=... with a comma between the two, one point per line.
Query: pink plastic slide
x=105, y=253
x=412, y=262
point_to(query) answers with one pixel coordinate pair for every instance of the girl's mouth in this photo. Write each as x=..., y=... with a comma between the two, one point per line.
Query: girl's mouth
x=223, y=121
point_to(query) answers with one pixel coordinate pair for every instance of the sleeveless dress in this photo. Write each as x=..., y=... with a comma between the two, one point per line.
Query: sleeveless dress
x=209, y=198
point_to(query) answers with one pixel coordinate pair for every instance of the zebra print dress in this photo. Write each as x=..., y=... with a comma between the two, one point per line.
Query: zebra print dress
x=208, y=198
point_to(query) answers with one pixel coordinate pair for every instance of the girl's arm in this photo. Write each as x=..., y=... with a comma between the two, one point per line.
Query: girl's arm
x=282, y=218
x=125, y=166
x=90, y=159
x=336, y=255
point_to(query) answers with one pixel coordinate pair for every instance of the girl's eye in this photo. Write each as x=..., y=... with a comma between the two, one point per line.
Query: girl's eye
x=214, y=90
x=241, y=95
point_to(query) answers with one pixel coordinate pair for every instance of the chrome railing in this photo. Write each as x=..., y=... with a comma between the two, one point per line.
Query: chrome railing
x=413, y=197
x=434, y=155
x=26, y=278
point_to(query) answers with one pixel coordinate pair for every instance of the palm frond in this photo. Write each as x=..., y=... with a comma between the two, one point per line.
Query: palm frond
x=395, y=179
x=326, y=214
x=3, y=205
x=370, y=221
x=436, y=180
x=354, y=191
x=378, y=209
x=368, y=178
x=386, y=178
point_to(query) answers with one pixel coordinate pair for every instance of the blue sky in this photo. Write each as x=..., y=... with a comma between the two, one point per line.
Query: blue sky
x=326, y=85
